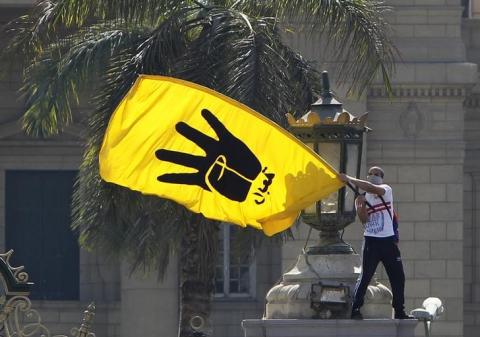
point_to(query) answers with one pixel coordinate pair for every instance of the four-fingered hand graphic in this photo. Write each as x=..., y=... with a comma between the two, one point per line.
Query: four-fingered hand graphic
x=229, y=166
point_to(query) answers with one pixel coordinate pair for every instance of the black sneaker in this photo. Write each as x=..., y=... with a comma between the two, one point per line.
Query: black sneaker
x=402, y=315
x=356, y=314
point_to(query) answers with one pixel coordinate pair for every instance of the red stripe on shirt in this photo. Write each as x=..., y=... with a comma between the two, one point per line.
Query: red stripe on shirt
x=381, y=205
x=377, y=210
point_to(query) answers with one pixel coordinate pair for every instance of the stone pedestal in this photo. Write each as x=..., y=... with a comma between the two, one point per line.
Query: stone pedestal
x=328, y=328
x=291, y=298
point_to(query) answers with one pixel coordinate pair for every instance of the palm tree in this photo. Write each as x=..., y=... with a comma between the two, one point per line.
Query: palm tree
x=234, y=47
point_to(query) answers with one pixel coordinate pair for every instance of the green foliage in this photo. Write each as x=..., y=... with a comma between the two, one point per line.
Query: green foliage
x=234, y=47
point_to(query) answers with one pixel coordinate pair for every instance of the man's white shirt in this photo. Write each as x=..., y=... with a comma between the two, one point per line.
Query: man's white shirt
x=379, y=223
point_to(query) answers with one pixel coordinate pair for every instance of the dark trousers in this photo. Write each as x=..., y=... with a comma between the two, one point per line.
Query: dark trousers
x=383, y=250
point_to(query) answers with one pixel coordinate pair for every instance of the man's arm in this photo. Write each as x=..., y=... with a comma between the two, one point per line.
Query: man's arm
x=361, y=207
x=364, y=185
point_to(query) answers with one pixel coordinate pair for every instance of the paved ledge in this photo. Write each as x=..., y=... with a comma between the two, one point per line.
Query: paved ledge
x=328, y=328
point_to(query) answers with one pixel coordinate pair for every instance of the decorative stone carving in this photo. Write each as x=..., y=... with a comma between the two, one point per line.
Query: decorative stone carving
x=412, y=121
x=378, y=301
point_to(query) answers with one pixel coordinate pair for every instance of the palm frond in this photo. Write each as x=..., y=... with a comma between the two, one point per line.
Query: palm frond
x=54, y=80
x=51, y=21
x=245, y=59
x=199, y=248
x=355, y=33
x=150, y=229
x=247, y=241
x=29, y=35
x=78, y=12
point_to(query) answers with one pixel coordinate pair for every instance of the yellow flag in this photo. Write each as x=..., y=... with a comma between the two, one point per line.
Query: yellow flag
x=212, y=154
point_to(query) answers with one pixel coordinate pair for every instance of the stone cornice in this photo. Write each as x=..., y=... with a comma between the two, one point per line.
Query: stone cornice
x=419, y=91
x=12, y=128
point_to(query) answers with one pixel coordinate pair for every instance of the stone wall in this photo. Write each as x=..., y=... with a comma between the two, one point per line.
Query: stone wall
x=60, y=317
x=99, y=278
x=426, y=174
x=149, y=306
x=471, y=257
x=418, y=138
x=16, y=3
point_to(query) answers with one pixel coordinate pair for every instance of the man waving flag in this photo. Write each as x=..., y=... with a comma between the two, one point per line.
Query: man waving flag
x=212, y=154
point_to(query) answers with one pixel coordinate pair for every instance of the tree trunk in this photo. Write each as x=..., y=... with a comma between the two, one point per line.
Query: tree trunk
x=197, y=272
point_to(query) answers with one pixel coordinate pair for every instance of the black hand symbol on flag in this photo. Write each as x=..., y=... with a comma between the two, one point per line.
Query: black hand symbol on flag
x=229, y=166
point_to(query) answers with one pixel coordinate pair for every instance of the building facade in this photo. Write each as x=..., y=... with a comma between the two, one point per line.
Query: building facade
x=426, y=136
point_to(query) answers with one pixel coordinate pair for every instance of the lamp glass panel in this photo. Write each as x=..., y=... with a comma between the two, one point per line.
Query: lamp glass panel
x=352, y=158
x=330, y=152
x=312, y=209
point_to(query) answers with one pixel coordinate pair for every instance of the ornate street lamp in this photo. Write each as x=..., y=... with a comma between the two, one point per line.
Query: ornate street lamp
x=337, y=137
x=321, y=283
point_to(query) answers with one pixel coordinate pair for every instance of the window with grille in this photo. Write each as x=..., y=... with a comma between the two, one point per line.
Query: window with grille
x=466, y=8
x=471, y=9
x=37, y=215
x=234, y=274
